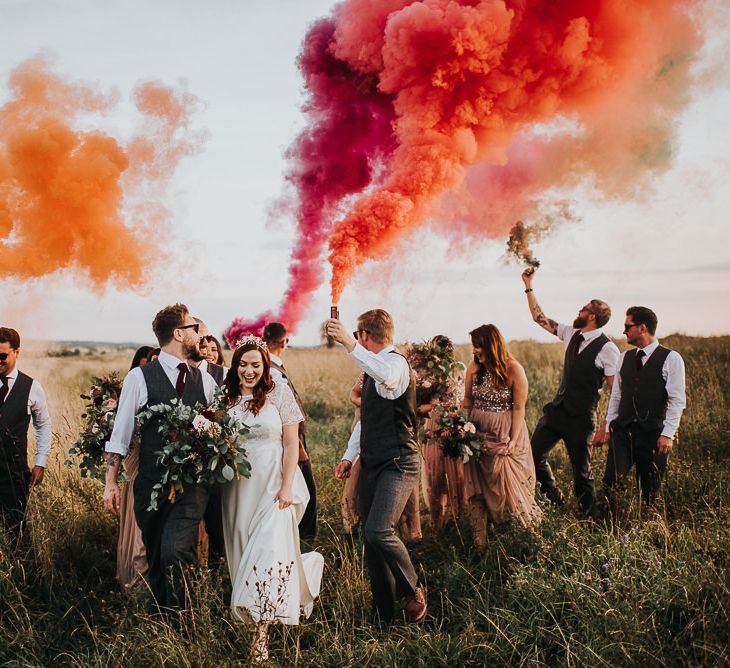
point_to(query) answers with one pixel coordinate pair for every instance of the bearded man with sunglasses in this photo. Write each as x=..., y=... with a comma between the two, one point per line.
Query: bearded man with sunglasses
x=169, y=533
x=22, y=399
x=589, y=357
x=646, y=405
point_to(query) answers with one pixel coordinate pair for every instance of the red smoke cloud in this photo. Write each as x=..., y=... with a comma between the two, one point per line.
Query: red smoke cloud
x=80, y=200
x=491, y=106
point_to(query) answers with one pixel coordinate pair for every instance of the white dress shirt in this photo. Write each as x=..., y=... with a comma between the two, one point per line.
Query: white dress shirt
x=607, y=358
x=276, y=375
x=38, y=410
x=391, y=372
x=353, y=444
x=134, y=397
x=673, y=374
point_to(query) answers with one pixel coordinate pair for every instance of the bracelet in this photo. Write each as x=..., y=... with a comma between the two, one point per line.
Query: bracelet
x=528, y=290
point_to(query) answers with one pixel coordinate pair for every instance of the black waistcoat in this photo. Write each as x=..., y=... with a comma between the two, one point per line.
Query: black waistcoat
x=161, y=391
x=643, y=394
x=218, y=373
x=14, y=423
x=389, y=426
x=580, y=385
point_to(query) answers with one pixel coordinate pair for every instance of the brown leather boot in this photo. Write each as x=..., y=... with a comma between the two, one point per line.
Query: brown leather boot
x=416, y=606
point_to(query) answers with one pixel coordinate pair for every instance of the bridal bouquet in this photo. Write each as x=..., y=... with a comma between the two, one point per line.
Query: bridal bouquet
x=199, y=446
x=434, y=365
x=456, y=435
x=100, y=411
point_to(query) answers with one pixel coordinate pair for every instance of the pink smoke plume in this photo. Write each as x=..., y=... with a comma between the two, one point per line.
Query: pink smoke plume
x=81, y=200
x=487, y=106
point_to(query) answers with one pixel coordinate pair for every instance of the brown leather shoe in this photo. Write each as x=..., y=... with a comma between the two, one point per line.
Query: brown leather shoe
x=416, y=606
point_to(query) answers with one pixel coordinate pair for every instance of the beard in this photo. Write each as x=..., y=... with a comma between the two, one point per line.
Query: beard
x=192, y=352
x=580, y=322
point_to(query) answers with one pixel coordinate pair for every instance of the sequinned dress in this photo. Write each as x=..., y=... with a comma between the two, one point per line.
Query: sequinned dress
x=502, y=483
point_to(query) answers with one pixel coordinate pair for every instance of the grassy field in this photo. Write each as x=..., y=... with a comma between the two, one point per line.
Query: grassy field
x=653, y=591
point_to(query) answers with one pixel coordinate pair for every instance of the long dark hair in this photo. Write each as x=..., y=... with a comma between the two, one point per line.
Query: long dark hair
x=491, y=341
x=143, y=353
x=220, y=359
x=232, y=383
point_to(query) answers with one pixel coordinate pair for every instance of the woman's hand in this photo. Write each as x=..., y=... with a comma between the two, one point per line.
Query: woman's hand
x=284, y=497
x=510, y=447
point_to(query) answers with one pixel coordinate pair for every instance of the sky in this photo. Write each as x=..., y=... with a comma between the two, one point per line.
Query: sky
x=667, y=250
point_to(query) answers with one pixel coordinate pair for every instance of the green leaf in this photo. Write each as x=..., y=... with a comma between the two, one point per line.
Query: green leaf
x=227, y=472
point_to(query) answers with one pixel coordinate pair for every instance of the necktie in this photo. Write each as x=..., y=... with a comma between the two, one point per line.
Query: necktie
x=180, y=385
x=578, y=338
x=3, y=390
x=639, y=361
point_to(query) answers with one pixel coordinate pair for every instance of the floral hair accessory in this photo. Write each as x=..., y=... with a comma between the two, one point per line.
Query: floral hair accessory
x=255, y=340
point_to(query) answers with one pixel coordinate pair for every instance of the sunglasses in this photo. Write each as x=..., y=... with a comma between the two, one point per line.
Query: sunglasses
x=356, y=333
x=195, y=327
x=587, y=310
x=4, y=356
x=207, y=338
x=628, y=326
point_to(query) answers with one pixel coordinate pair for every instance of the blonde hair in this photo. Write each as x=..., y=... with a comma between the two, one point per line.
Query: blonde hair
x=378, y=324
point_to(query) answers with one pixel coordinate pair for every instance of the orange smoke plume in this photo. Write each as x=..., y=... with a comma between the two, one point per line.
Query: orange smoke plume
x=78, y=199
x=496, y=102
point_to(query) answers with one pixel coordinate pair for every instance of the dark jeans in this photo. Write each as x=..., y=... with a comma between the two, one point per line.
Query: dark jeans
x=214, y=528
x=634, y=446
x=170, y=536
x=576, y=432
x=383, y=494
x=14, y=487
x=308, y=523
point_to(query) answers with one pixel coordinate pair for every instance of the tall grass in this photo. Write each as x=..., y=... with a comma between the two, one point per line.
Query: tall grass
x=651, y=591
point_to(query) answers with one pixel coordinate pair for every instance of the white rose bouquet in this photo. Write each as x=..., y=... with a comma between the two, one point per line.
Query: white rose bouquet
x=200, y=446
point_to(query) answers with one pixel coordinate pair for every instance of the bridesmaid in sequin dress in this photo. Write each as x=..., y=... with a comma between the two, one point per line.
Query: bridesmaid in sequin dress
x=500, y=485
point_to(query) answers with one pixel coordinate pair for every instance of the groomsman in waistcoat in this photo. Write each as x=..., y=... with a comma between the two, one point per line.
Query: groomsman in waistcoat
x=22, y=399
x=276, y=339
x=170, y=533
x=645, y=407
x=589, y=357
x=390, y=457
x=214, y=511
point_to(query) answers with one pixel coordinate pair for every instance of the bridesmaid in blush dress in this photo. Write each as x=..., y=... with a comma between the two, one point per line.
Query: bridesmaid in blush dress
x=500, y=484
x=443, y=477
x=131, y=555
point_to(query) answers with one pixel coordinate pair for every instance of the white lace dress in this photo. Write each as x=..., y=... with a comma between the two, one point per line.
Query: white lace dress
x=272, y=580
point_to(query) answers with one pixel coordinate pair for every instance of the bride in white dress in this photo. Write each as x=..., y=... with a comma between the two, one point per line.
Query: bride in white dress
x=272, y=580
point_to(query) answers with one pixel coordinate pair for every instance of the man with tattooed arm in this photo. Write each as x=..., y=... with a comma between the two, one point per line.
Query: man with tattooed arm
x=589, y=357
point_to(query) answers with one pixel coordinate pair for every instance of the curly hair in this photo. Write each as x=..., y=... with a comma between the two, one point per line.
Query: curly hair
x=232, y=383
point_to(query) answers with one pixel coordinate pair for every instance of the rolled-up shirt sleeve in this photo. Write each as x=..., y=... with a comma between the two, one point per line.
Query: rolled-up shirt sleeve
x=388, y=369
x=608, y=359
x=615, y=400
x=132, y=398
x=674, y=375
x=41, y=423
x=353, y=445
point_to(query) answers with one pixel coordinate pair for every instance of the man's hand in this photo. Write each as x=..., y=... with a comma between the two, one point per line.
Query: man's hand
x=337, y=331
x=111, y=497
x=36, y=475
x=664, y=443
x=601, y=436
x=527, y=277
x=343, y=469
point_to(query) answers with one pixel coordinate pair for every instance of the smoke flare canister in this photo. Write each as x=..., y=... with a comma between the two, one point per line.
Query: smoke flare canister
x=334, y=312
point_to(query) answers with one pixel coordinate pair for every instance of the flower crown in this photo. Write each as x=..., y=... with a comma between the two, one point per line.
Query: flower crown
x=256, y=340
